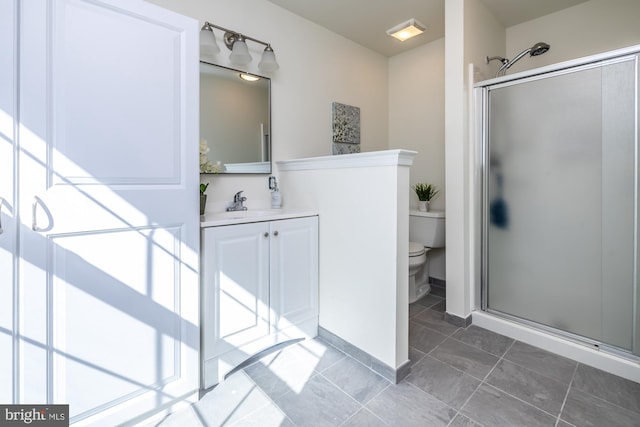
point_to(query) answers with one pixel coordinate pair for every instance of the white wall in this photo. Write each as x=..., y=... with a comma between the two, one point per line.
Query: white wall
x=416, y=122
x=417, y=99
x=416, y=114
x=317, y=67
x=363, y=245
x=586, y=29
x=484, y=36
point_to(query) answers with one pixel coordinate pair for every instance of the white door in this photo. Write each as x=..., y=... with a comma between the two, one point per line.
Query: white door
x=294, y=271
x=108, y=174
x=8, y=233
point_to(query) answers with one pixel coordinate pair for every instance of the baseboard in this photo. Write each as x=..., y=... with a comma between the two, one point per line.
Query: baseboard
x=437, y=282
x=391, y=374
x=461, y=322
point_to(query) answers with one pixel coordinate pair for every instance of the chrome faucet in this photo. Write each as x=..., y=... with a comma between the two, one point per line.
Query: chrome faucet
x=238, y=201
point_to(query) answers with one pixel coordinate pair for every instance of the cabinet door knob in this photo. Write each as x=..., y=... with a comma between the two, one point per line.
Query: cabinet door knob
x=275, y=233
x=266, y=235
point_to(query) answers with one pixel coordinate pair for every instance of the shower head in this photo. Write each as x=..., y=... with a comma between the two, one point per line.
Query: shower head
x=539, y=48
x=535, y=50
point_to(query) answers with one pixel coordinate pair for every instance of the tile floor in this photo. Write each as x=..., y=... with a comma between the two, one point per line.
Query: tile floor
x=459, y=377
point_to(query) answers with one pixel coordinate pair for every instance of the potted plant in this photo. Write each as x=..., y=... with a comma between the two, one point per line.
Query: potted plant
x=425, y=193
x=203, y=197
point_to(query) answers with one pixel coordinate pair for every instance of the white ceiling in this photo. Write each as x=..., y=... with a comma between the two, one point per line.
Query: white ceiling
x=366, y=21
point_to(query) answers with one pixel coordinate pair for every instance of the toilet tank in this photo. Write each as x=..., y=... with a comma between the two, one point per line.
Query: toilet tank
x=427, y=228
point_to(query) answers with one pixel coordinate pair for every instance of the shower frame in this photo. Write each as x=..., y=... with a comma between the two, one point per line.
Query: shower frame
x=481, y=106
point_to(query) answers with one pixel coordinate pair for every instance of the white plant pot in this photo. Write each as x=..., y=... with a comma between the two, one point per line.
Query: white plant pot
x=423, y=206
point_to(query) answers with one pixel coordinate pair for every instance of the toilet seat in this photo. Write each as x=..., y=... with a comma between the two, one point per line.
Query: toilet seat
x=416, y=249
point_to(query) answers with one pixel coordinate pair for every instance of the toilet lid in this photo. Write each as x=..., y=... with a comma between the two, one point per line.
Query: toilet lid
x=415, y=249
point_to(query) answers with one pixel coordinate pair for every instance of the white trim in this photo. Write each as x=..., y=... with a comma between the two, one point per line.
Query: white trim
x=355, y=160
x=572, y=350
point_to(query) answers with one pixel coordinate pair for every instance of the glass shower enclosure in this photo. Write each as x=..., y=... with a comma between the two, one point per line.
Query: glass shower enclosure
x=560, y=201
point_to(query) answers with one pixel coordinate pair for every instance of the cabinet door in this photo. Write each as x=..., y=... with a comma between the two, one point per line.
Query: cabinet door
x=235, y=285
x=294, y=271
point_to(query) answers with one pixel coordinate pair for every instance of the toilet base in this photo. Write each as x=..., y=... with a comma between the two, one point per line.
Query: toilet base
x=423, y=291
x=419, y=291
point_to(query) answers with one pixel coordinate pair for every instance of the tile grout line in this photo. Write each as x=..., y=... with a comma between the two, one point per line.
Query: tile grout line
x=314, y=374
x=418, y=389
x=483, y=381
x=605, y=400
x=346, y=394
x=519, y=399
x=566, y=395
x=538, y=372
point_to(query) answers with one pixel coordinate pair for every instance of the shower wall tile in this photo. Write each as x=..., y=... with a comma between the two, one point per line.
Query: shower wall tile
x=542, y=361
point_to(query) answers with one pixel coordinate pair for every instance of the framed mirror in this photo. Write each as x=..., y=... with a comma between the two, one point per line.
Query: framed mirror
x=235, y=121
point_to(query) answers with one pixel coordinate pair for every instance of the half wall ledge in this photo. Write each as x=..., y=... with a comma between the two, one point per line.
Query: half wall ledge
x=355, y=160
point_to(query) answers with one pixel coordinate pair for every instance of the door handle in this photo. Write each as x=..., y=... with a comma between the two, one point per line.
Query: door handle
x=34, y=219
x=1, y=203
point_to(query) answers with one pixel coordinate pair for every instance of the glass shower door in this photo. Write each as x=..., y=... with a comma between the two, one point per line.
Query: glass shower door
x=561, y=201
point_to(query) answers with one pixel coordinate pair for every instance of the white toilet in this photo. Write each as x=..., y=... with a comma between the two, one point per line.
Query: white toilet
x=426, y=232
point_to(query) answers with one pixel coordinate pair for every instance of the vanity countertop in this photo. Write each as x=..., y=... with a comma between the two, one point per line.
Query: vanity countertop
x=214, y=219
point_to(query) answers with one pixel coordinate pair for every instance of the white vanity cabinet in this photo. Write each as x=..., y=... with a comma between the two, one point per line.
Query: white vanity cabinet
x=259, y=287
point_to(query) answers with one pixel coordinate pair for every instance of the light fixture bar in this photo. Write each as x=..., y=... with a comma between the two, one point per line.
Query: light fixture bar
x=234, y=34
x=406, y=30
x=237, y=44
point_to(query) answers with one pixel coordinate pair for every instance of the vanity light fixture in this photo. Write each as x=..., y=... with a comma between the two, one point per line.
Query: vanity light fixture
x=249, y=77
x=406, y=30
x=237, y=44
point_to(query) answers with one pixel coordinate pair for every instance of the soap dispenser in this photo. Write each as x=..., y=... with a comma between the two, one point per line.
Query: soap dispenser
x=276, y=197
